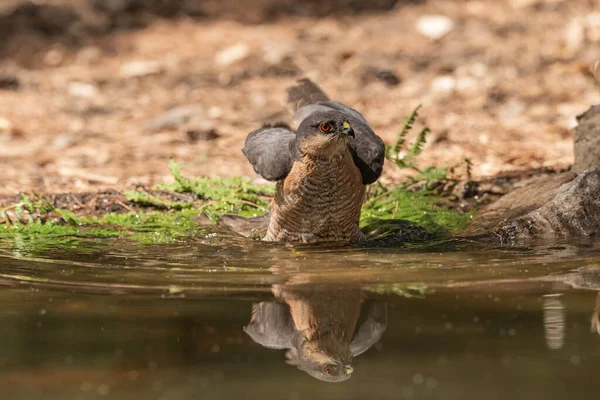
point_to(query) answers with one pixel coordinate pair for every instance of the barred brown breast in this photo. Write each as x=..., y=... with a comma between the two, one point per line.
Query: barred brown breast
x=320, y=200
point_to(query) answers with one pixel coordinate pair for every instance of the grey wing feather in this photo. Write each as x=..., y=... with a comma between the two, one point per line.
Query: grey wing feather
x=271, y=325
x=371, y=330
x=270, y=150
x=368, y=150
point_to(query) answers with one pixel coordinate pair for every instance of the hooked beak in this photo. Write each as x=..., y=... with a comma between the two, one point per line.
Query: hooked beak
x=348, y=129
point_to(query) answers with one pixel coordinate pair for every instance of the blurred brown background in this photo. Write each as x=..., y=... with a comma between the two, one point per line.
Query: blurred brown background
x=86, y=85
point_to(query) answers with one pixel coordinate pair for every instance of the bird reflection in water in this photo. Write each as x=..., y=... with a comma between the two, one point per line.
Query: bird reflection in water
x=322, y=327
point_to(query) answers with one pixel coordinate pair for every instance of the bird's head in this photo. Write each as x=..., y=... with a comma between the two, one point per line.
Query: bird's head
x=325, y=359
x=324, y=133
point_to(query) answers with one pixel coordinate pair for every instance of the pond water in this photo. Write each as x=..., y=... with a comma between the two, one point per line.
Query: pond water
x=218, y=317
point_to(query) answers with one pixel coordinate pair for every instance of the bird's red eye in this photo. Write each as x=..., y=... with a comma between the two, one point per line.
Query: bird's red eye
x=328, y=369
x=326, y=127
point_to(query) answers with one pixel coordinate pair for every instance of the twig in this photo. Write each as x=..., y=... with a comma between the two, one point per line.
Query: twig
x=208, y=203
x=251, y=204
x=13, y=206
x=376, y=198
x=125, y=206
x=75, y=200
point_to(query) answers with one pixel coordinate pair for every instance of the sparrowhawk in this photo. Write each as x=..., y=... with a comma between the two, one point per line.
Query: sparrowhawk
x=321, y=169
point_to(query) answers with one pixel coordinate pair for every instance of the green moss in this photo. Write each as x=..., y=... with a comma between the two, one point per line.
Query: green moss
x=36, y=236
x=421, y=207
x=415, y=290
x=222, y=195
x=216, y=196
x=149, y=200
x=145, y=228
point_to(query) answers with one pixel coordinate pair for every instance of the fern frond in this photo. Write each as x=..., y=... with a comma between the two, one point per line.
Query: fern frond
x=469, y=164
x=406, y=127
x=417, y=146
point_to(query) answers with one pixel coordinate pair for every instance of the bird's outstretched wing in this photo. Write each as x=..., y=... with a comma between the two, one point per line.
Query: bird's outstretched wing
x=371, y=330
x=368, y=150
x=271, y=325
x=270, y=150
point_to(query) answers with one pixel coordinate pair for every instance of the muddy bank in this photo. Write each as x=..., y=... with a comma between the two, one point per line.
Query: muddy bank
x=77, y=118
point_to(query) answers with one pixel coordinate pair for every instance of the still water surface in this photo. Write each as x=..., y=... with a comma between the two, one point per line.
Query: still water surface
x=218, y=317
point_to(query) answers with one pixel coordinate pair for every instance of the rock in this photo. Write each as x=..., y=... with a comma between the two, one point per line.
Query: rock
x=136, y=69
x=274, y=52
x=9, y=82
x=510, y=112
x=202, y=135
x=63, y=140
x=258, y=100
x=54, y=57
x=574, y=35
x=232, y=54
x=89, y=55
x=434, y=26
x=466, y=84
x=587, y=140
x=443, y=84
x=8, y=130
x=86, y=90
x=550, y=209
x=215, y=112
x=5, y=125
x=176, y=117
x=388, y=77
x=113, y=6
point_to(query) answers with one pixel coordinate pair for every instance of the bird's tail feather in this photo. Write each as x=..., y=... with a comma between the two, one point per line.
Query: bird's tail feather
x=303, y=93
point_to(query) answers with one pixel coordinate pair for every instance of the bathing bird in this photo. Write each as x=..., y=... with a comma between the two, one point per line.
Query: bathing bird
x=321, y=169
